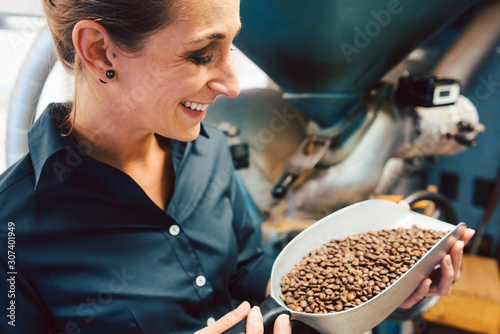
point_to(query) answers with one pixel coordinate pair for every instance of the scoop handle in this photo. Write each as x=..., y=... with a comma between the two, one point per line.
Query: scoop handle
x=270, y=310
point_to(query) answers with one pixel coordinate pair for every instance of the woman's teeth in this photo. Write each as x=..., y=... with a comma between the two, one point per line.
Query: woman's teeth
x=195, y=106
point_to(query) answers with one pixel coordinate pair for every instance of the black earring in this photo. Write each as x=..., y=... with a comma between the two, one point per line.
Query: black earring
x=110, y=74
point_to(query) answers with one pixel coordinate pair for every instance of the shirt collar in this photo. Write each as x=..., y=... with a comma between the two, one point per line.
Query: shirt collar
x=203, y=132
x=46, y=137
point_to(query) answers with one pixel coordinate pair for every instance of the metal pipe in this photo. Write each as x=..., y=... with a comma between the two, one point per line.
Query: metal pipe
x=355, y=178
x=24, y=99
x=467, y=54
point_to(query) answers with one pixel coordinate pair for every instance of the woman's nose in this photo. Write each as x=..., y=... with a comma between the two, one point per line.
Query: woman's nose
x=226, y=80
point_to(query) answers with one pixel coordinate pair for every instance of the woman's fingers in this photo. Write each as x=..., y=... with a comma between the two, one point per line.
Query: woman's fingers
x=282, y=325
x=457, y=252
x=227, y=321
x=418, y=294
x=443, y=287
x=469, y=233
x=404, y=204
x=254, y=321
x=450, y=271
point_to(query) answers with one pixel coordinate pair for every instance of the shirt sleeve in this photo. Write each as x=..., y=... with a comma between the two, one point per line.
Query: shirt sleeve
x=254, y=266
x=24, y=313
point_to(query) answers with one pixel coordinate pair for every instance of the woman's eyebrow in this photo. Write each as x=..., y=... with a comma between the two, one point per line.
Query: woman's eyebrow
x=217, y=35
x=212, y=36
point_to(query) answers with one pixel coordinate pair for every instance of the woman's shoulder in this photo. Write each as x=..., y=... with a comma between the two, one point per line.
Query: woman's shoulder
x=17, y=187
x=15, y=174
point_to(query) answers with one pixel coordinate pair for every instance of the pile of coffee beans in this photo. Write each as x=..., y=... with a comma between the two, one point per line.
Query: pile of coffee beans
x=345, y=273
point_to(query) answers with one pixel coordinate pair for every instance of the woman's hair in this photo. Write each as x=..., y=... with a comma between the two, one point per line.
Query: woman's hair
x=128, y=22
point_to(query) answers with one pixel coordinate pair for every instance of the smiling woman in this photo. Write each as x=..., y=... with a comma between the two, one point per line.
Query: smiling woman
x=127, y=212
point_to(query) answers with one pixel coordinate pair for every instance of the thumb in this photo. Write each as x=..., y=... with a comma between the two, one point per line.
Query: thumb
x=227, y=321
x=404, y=204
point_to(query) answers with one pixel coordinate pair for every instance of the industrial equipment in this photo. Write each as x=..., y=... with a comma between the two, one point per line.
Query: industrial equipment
x=354, y=101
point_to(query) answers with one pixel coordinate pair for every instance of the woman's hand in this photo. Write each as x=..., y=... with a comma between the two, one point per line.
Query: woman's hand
x=254, y=322
x=450, y=272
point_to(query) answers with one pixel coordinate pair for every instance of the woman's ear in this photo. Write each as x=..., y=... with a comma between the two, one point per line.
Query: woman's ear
x=93, y=45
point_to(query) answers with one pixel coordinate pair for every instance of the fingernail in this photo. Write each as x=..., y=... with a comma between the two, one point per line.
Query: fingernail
x=428, y=284
x=285, y=322
x=255, y=315
x=242, y=308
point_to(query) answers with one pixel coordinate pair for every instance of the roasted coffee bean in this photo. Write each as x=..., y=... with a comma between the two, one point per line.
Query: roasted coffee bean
x=351, y=295
x=345, y=273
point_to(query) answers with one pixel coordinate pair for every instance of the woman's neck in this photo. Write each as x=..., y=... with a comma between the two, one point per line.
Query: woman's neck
x=118, y=140
x=114, y=131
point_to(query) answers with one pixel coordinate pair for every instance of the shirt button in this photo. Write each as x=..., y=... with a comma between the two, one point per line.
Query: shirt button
x=174, y=230
x=200, y=281
x=210, y=321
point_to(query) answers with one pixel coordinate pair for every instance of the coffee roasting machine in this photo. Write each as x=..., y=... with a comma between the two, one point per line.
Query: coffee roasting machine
x=354, y=101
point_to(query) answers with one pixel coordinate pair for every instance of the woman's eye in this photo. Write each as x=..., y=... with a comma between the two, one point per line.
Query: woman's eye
x=202, y=56
x=205, y=60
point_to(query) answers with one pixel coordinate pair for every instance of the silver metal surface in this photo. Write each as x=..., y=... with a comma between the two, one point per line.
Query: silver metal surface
x=26, y=94
x=273, y=129
x=371, y=215
x=25, y=24
x=393, y=133
x=355, y=178
x=475, y=43
x=437, y=126
x=302, y=160
x=21, y=8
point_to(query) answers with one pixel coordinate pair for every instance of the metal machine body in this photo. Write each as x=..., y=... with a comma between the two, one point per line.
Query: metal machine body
x=326, y=54
x=340, y=91
x=346, y=173
x=322, y=137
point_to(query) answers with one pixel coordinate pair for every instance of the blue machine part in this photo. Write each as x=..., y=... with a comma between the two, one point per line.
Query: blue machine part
x=325, y=54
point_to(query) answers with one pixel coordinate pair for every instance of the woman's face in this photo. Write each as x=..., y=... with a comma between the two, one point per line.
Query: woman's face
x=167, y=87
